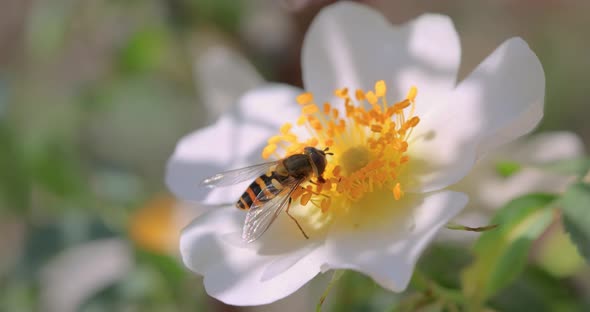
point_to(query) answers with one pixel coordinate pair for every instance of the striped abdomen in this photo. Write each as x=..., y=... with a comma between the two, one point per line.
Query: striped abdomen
x=265, y=184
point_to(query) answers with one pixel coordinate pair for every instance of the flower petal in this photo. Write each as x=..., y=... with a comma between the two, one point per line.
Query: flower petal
x=504, y=95
x=388, y=253
x=271, y=105
x=237, y=273
x=500, y=101
x=544, y=147
x=234, y=141
x=351, y=45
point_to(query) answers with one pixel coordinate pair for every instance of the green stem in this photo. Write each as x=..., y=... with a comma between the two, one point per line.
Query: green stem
x=422, y=283
x=413, y=302
x=335, y=277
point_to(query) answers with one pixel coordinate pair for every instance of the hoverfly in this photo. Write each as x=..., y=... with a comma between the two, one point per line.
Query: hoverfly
x=272, y=189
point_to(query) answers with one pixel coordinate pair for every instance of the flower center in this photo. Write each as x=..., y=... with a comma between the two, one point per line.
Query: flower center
x=369, y=141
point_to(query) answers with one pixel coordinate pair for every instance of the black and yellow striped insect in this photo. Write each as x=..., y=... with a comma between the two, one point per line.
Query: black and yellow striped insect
x=273, y=188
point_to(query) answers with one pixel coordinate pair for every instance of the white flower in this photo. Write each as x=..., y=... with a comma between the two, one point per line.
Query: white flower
x=392, y=164
x=489, y=189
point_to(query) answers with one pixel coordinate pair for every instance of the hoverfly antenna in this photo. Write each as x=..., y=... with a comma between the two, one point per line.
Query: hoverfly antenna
x=326, y=150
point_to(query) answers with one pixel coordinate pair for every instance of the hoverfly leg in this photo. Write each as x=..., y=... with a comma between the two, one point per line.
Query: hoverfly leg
x=293, y=218
x=321, y=180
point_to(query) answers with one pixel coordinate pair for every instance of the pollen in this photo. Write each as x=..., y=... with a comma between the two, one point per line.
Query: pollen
x=369, y=137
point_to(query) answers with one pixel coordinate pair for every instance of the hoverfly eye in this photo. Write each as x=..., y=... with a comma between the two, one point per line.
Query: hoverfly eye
x=319, y=161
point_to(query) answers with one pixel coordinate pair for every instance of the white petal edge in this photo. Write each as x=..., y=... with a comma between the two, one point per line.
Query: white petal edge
x=505, y=92
x=512, y=98
x=235, y=140
x=385, y=255
x=236, y=274
x=351, y=45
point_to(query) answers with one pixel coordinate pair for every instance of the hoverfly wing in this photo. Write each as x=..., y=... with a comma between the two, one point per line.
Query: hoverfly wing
x=237, y=175
x=264, y=212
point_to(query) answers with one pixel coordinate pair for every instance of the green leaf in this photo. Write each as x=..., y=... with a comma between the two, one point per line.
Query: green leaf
x=15, y=180
x=170, y=267
x=443, y=263
x=501, y=254
x=538, y=291
x=358, y=292
x=576, y=216
x=507, y=168
x=144, y=51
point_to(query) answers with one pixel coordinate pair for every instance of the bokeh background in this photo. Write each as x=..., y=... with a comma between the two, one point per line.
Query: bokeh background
x=95, y=94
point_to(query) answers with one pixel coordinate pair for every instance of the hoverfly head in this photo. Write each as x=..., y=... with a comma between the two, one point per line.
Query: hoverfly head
x=318, y=159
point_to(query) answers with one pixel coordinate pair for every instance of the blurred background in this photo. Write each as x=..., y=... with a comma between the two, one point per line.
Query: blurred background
x=95, y=94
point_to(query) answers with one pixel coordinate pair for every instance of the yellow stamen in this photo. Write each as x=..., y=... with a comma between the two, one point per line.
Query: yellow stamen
x=412, y=94
x=360, y=95
x=371, y=97
x=341, y=93
x=268, y=150
x=305, y=98
x=397, y=191
x=369, y=139
x=380, y=88
x=310, y=109
x=286, y=128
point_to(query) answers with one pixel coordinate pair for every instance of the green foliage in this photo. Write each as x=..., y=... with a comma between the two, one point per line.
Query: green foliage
x=335, y=277
x=170, y=267
x=56, y=168
x=357, y=292
x=576, y=216
x=226, y=14
x=507, y=168
x=536, y=290
x=144, y=51
x=500, y=255
x=443, y=262
x=15, y=184
x=557, y=254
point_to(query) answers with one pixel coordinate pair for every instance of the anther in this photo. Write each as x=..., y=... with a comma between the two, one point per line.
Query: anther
x=376, y=128
x=286, y=128
x=359, y=94
x=380, y=88
x=412, y=93
x=310, y=109
x=268, y=150
x=304, y=98
x=397, y=191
